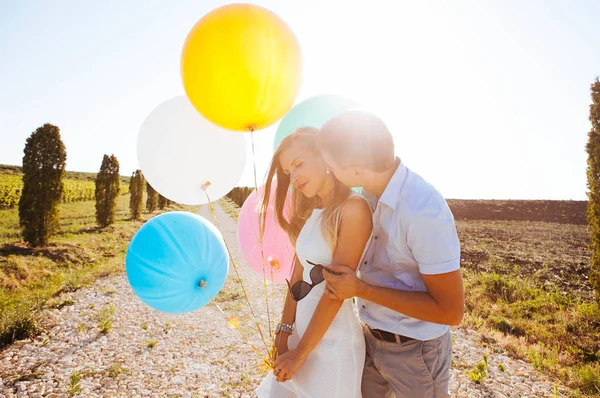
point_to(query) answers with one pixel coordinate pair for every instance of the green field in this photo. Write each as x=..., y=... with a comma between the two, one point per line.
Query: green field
x=78, y=255
x=77, y=186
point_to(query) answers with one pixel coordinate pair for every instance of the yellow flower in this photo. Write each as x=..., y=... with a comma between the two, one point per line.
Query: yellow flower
x=233, y=322
x=273, y=262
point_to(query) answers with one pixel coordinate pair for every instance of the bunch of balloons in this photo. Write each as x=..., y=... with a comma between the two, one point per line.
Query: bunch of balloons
x=241, y=68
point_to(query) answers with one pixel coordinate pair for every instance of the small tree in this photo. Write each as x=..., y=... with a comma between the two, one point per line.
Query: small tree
x=152, y=200
x=131, y=187
x=136, y=190
x=107, y=190
x=162, y=202
x=593, y=182
x=44, y=162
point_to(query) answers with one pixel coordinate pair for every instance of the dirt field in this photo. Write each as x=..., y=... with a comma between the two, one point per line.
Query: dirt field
x=554, y=211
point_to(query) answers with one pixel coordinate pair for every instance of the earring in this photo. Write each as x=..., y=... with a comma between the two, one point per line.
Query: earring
x=327, y=171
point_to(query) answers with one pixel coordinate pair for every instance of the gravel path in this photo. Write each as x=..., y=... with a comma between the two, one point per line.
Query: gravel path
x=150, y=354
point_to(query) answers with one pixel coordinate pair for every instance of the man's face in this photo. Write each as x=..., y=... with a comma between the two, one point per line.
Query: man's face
x=345, y=175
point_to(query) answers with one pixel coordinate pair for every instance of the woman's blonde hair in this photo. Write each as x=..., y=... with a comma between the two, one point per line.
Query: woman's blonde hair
x=302, y=206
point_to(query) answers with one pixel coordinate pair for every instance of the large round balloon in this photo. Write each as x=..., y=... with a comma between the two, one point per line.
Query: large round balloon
x=312, y=112
x=241, y=67
x=185, y=157
x=276, y=248
x=177, y=262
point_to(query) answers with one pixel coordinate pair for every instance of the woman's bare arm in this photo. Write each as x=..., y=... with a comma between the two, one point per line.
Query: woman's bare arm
x=355, y=229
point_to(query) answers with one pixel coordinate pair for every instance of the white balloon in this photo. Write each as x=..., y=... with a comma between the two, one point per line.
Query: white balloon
x=185, y=157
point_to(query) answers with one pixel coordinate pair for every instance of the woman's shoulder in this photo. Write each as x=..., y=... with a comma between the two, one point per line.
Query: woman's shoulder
x=357, y=200
x=356, y=205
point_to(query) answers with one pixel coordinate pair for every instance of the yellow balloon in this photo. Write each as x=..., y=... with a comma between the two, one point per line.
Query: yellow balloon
x=241, y=67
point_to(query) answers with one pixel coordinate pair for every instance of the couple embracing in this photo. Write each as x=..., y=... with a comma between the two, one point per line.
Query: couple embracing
x=394, y=248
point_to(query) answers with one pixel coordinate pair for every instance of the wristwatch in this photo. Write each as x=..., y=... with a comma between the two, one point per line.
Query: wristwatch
x=286, y=328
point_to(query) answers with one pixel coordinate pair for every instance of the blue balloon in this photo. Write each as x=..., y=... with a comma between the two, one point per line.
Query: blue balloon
x=177, y=262
x=312, y=112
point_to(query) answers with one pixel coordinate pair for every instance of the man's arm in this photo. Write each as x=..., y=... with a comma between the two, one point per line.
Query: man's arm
x=432, y=238
x=443, y=302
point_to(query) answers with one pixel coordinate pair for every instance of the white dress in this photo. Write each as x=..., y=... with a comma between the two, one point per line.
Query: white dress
x=334, y=368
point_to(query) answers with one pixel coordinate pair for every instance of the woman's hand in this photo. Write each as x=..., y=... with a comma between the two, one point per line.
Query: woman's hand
x=281, y=345
x=287, y=364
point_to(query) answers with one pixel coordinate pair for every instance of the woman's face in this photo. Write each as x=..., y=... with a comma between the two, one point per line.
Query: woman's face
x=306, y=169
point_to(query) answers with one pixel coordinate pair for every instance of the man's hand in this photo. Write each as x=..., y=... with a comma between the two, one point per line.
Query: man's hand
x=342, y=282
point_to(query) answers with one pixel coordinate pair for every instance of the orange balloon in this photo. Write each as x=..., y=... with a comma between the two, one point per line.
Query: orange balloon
x=241, y=67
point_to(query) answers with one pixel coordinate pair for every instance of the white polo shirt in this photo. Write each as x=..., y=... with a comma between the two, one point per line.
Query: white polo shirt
x=413, y=234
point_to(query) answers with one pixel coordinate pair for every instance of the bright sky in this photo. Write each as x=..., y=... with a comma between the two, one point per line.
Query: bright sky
x=486, y=98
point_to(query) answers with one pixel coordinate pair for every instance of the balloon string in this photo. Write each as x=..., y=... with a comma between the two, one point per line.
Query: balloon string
x=262, y=252
x=239, y=278
x=232, y=324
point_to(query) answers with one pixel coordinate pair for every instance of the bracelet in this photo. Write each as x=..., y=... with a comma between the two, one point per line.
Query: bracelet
x=284, y=327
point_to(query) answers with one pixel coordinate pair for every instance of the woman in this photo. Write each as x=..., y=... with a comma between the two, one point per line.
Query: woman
x=329, y=224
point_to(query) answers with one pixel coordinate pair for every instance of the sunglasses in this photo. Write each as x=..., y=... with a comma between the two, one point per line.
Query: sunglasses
x=300, y=289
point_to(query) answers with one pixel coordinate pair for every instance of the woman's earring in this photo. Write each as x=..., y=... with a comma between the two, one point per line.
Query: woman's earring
x=327, y=171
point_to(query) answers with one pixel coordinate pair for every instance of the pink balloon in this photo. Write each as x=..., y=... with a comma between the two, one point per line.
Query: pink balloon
x=277, y=249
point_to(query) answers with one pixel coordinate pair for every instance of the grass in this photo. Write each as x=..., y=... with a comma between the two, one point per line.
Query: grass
x=74, y=385
x=229, y=293
x=105, y=318
x=61, y=304
x=29, y=376
x=526, y=290
x=480, y=371
x=115, y=370
x=151, y=343
x=31, y=279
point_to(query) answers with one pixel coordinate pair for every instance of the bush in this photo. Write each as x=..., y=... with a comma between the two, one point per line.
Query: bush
x=152, y=200
x=43, y=171
x=107, y=190
x=136, y=189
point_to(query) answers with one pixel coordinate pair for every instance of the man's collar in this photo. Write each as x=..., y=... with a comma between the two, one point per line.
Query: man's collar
x=392, y=190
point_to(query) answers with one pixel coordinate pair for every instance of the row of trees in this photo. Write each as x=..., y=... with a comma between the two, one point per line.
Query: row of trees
x=239, y=195
x=44, y=163
x=154, y=200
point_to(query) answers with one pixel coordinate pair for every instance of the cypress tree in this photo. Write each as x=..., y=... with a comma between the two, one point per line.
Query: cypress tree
x=44, y=162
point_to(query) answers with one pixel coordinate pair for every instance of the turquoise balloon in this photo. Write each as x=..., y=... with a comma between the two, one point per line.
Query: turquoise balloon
x=177, y=262
x=312, y=112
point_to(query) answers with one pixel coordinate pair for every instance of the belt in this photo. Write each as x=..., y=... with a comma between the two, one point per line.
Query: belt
x=389, y=337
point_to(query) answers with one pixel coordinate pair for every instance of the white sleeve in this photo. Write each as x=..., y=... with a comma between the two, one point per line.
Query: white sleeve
x=432, y=237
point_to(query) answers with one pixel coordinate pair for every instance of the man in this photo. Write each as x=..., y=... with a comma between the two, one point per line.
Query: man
x=409, y=288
